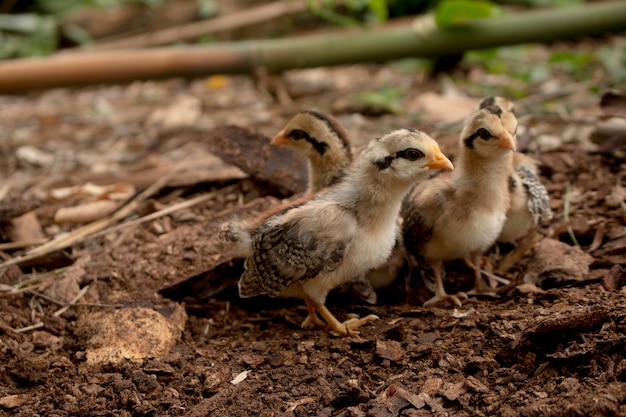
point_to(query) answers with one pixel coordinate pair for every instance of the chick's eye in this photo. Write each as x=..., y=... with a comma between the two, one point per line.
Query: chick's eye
x=413, y=154
x=297, y=134
x=484, y=133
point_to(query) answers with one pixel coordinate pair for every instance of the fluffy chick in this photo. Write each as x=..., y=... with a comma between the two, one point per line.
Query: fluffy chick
x=530, y=203
x=461, y=215
x=307, y=250
x=322, y=140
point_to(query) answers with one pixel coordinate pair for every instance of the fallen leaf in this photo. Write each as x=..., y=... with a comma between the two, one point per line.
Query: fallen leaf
x=65, y=288
x=555, y=263
x=454, y=391
x=13, y=401
x=611, y=280
x=240, y=378
x=389, y=349
x=85, y=213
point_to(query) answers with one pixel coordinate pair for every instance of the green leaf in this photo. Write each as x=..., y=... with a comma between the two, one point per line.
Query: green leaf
x=379, y=9
x=387, y=98
x=454, y=13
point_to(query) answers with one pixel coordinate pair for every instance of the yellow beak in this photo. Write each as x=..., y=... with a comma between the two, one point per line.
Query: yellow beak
x=440, y=161
x=279, y=139
x=507, y=142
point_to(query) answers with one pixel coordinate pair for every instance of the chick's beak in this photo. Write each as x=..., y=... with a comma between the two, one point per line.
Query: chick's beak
x=440, y=161
x=507, y=142
x=279, y=139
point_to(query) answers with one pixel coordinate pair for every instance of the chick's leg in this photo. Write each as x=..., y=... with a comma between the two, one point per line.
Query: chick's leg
x=312, y=319
x=348, y=327
x=440, y=291
x=480, y=287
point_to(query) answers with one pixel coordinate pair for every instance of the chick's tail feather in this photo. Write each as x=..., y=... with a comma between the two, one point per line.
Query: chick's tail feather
x=249, y=287
x=237, y=233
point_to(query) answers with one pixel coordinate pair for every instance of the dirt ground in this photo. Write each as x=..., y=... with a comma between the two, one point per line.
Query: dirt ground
x=136, y=320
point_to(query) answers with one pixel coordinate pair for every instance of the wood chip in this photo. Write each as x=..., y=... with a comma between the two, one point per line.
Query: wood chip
x=555, y=263
x=612, y=280
x=240, y=378
x=14, y=401
x=454, y=391
x=390, y=349
x=278, y=167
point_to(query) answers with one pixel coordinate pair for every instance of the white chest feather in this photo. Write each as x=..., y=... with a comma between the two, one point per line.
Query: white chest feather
x=475, y=233
x=368, y=250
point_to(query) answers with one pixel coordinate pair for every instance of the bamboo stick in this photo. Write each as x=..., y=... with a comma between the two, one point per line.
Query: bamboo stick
x=379, y=44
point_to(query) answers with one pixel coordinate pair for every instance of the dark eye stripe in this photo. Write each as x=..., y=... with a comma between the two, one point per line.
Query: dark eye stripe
x=411, y=154
x=332, y=124
x=484, y=133
x=298, y=134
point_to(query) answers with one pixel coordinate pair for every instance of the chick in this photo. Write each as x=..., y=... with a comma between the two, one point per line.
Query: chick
x=323, y=141
x=530, y=203
x=307, y=250
x=460, y=215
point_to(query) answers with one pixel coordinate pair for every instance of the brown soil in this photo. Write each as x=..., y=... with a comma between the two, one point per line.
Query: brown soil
x=156, y=332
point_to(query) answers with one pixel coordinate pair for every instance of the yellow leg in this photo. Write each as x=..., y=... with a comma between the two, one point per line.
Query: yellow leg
x=347, y=328
x=312, y=319
x=440, y=291
x=480, y=287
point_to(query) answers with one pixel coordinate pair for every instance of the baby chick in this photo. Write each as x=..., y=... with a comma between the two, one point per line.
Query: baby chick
x=307, y=250
x=530, y=203
x=460, y=215
x=323, y=141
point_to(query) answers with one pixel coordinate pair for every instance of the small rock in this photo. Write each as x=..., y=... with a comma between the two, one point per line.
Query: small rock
x=130, y=334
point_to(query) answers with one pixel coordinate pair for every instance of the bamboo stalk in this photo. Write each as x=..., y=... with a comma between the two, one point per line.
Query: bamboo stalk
x=420, y=39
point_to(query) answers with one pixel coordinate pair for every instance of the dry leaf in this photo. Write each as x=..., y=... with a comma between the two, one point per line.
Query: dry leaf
x=617, y=196
x=14, y=401
x=240, y=378
x=445, y=108
x=390, y=349
x=34, y=156
x=67, y=286
x=119, y=191
x=25, y=228
x=85, y=213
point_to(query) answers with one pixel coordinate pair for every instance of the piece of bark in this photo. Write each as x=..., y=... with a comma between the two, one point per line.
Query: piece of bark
x=15, y=205
x=573, y=320
x=25, y=228
x=390, y=349
x=612, y=281
x=277, y=167
x=555, y=263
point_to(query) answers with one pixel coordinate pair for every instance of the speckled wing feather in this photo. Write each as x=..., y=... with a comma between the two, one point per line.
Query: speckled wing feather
x=284, y=255
x=538, y=200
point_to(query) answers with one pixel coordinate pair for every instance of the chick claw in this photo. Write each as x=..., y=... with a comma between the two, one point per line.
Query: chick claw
x=348, y=327
x=446, y=297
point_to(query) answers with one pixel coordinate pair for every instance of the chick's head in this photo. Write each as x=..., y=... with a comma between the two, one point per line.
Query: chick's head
x=406, y=154
x=501, y=102
x=490, y=132
x=313, y=134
